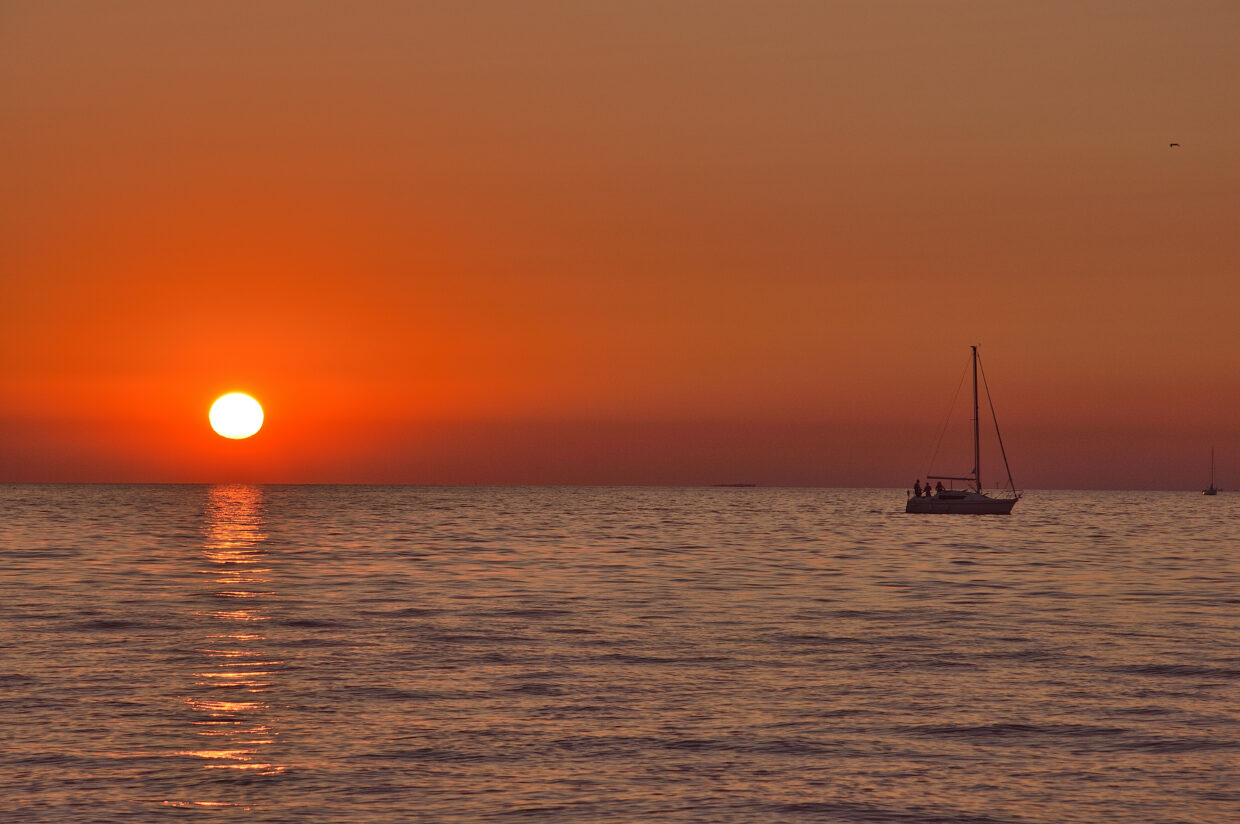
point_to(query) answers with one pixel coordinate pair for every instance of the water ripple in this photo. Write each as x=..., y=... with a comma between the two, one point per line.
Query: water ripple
x=376, y=654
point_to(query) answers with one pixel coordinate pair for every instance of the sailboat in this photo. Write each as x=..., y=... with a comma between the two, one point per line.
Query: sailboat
x=1211, y=490
x=971, y=500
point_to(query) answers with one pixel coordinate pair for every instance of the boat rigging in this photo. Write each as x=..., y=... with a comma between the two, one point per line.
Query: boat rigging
x=971, y=500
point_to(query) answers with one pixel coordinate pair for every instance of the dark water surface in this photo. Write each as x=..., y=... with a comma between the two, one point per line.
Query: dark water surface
x=382, y=654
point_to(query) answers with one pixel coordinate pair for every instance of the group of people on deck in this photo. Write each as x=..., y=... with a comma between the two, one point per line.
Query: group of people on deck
x=927, y=492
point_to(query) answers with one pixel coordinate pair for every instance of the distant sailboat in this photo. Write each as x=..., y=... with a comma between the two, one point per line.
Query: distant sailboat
x=1211, y=490
x=971, y=500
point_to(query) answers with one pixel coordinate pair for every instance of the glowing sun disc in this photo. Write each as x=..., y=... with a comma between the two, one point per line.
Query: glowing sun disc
x=236, y=416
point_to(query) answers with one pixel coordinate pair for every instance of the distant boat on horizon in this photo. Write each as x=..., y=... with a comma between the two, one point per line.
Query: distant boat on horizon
x=1211, y=490
x=970, y=500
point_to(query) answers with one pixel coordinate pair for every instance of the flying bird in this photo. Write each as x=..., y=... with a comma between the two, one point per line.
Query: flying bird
x=1175, y=145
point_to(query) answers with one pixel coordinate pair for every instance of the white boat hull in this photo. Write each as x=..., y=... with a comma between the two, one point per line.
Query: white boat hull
x=967, y=503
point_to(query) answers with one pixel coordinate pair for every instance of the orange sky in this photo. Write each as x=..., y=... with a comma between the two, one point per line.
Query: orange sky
x=617, y=242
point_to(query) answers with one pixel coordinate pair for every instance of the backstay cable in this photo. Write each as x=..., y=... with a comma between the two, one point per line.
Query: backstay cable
x=947, y=420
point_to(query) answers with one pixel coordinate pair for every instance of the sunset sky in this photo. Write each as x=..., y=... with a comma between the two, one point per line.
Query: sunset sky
x=618, y=242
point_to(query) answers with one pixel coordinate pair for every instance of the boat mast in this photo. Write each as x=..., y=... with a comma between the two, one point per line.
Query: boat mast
x=977, y=451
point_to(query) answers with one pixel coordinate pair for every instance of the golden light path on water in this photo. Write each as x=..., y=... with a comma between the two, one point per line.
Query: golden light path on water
x=233, y=717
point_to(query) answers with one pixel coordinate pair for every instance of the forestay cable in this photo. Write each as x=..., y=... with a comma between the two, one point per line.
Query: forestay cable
x=994, y=417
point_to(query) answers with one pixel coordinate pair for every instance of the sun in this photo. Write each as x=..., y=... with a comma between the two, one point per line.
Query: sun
x=236, y=415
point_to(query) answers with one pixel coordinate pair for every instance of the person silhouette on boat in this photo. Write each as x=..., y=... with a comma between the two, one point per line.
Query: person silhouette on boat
x=938, y=488
x=917, y=488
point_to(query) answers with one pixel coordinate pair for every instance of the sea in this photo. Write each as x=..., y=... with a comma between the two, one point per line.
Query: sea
x=471, y=654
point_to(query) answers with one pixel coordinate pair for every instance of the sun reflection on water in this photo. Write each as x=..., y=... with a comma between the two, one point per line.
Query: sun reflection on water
x=235, y=672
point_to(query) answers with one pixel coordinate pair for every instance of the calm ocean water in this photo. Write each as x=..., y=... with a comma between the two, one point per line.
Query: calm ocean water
x=383, y=654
